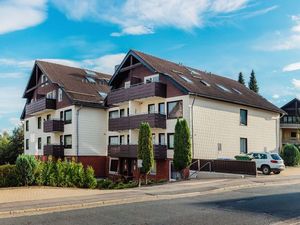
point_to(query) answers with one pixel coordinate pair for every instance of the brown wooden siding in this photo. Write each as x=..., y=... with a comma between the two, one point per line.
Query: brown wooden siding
x=130, y=151
x=40, y=105
x=54, y=150
x=54, y=126
x=155, y=120
x=137, y=92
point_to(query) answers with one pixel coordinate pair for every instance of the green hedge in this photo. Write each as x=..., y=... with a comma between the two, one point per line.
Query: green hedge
x=8, y=176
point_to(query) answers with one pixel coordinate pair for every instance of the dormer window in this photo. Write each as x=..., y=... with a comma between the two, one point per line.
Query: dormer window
x=44, y=79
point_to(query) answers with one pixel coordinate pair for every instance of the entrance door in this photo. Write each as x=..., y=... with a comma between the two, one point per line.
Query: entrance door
x=126, y=167
x=172, y=171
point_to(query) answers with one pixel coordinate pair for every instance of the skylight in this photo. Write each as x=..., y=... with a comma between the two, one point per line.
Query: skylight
x=205, y=83
x=223, y=88
x=102, y=94
x=186, y=79
x=193, y=71
x=176, y=71
x=237, y=91
x=90, y=73
x=91, y=79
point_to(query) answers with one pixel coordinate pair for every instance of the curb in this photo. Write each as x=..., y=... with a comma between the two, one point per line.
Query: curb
x=52, y=209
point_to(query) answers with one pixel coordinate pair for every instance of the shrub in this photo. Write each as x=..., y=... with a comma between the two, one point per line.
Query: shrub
x=26, y=166
x=104, y=183
x=291, y=155
x=8, y=176
x=90, y=180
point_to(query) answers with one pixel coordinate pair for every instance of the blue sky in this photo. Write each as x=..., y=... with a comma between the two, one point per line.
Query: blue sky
x=221, y=36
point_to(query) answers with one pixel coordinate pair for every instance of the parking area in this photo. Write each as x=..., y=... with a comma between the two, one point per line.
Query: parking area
x=289, y=171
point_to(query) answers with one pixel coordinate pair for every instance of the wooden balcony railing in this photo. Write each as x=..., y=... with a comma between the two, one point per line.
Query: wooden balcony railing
x=40, y=105
x=130, y=151
x=54, y=150
x=155, y=120
x=137, y=91
x=54, y=126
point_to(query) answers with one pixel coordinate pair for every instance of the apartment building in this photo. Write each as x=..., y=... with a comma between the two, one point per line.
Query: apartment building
x=290, y=123
x=65, y=115
x=225, y=117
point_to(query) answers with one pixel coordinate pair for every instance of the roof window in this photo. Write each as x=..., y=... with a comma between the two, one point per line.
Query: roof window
x=205, y=83
x=223, y=88
x=193, y=72
x=186, y=79
x=237, y=91
x=176, y=71
x=91, y=79
x=90, y=73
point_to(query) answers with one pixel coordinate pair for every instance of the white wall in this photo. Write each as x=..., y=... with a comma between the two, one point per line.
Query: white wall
x=219, y=122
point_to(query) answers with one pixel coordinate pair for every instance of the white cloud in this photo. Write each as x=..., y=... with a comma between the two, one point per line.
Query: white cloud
x=10, y=100
x=138, y=17
x=63, y=62
x=296, y=83
x=24, y=64
x=15, y=121
x=276, y=96
x=17, y=15
x=11, y=75
x=291, y=67
x=261, y=12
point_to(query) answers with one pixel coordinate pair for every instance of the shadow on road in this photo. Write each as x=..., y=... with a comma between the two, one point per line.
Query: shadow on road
x=283, y=206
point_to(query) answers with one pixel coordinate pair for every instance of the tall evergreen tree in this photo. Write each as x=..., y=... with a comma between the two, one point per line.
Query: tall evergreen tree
x=145, y=148
x=241, y=79
x=253, y=83
x=182, y=146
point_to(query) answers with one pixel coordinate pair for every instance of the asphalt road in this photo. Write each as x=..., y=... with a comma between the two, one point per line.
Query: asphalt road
x=264, y=205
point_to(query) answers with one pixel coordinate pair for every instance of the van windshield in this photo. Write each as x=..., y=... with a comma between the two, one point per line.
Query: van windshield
x=276, y=157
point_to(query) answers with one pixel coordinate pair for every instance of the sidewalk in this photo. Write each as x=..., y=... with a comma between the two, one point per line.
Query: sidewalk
x=38, y=200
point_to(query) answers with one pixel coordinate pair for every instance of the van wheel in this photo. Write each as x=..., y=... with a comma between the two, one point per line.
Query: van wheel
x=266, y=170
x=276, y=172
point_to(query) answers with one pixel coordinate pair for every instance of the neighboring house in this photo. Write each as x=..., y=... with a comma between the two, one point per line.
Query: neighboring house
x=290, y=123
x=65, y=114
x=225, y=117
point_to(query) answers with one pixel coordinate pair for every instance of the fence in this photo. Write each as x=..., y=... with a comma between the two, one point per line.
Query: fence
x=226, y=166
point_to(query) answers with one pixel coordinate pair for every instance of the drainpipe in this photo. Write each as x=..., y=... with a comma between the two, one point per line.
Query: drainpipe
x=77, y=132
x=192, y=126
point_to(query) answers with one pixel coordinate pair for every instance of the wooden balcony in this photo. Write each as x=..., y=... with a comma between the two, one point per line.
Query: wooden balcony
x=54, y=150
x=155, y=120
x=54, y=126
x=40, y=106
x=137, y=91
x=130, y=151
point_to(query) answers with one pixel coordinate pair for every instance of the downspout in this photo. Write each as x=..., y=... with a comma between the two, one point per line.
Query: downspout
x=278, y=131
x=77, y=132
x=192, y=126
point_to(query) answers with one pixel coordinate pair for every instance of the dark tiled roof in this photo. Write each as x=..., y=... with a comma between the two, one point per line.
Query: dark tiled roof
x=74, y=83
x=237, y=93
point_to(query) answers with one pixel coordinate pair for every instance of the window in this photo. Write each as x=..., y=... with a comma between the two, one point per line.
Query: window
x=186, y=79
x=128, y=139
x=114, y=114
x=276, y=157
x=170, y=141
x=27, y=125
x=43, y=80
x=102, y=94
x=293, y=134
x=205, y=83
x=122, y=140
x=237, y=91
x=219, y=146
x=54, y=94
x=113, y=165
x=48, y=117
x=113, y=140
x=39, y=143
x=153, y=168
x=243, y=145
x=243, y=117
x=51, y=95
x=62, y=115
x=151, y=79
x=122, y=112
x=61, y=140
x=60, y=95
x=162, y=139
x=91, y=80
x=161, y=108
x=127, y=84
x=223, y=88
x=153, y=139
x=27, y=144
x=174, y=109
x=39, y=122
x=68, y=116
x=263, y=156
x=151, y=108
x=68, y=141
x=48, y=140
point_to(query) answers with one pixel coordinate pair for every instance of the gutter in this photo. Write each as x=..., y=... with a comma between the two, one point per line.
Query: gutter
x=77, y=132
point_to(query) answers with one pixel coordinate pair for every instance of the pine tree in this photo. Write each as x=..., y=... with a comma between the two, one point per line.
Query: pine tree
x=182, y=146
x=145, y=148
x=241, y=79
x=253, y=83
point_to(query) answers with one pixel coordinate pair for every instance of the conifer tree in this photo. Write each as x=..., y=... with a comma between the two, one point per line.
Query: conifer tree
x=241, y=79
x=253, y=83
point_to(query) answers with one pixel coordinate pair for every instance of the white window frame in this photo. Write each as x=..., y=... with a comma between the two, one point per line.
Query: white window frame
x=152, y=78
x=112, y=172
x=60, y=95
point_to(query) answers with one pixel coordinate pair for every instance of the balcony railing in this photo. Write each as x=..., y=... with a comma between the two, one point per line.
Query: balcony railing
x=155, y=120
x=54, y=126
x=54, y=150
x=41, y=105
x=130, y=151
x=137, y=91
